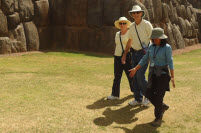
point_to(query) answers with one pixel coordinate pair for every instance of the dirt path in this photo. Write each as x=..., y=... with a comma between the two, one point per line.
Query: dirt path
x=187, y=49
x=175, y=52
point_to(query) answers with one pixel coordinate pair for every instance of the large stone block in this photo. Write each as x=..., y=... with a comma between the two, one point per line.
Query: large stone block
x=165, y=15
x=188, y=13
x=182, y=26
x=178, y=37
x=183, y=12
x=41, y=9
x=188, y=29
x=26, y=10
x=157, y=11
x=170, y=35
x=19, y=35
x=8, y=7
x=3, y=24
x=13, y=20
x=95, y=13
x=32, y=37
x=16, y=7
x=76, y=13
x=45, y=37
x=57, y=11
x=5, y=45
x=111, y=12
x=96, y=40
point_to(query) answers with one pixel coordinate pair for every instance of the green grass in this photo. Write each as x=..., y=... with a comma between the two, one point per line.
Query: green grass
x=65, y=92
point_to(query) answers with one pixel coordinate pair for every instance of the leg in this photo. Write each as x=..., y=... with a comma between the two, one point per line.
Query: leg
x=136, y=91
x=157, y=98
x=141, y=80
x=118, y=69
x=126, y=68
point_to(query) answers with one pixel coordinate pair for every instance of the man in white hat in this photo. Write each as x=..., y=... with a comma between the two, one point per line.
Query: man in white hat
x=139, y=39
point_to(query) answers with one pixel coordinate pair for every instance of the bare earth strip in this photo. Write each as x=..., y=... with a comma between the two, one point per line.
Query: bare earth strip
x=175, y=52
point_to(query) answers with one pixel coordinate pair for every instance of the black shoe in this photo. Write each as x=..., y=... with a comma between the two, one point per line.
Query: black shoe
x=157, y=122
x=165, y=108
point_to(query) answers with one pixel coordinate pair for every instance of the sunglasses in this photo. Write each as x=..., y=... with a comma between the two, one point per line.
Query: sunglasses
x=136, y=12
x=122, y=23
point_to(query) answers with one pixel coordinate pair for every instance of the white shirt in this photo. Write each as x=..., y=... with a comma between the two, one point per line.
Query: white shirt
x=124, y=39
x=144, y=29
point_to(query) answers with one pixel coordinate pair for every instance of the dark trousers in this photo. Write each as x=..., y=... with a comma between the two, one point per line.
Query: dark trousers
x=118, y=70
x=156, y=93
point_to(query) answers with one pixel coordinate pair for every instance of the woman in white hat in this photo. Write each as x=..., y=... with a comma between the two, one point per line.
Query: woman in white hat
x=121, y=39
x=161, y=62
x=139, y=39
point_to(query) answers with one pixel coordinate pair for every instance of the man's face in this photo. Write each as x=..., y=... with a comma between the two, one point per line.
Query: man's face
x=137, y=15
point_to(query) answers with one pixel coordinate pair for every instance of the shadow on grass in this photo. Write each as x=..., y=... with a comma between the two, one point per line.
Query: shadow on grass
x=125, y=115
x=141, y=128
x=87, y=53
x=103, y=102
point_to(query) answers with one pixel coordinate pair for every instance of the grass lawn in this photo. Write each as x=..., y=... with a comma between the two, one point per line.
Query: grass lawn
x=58, y=92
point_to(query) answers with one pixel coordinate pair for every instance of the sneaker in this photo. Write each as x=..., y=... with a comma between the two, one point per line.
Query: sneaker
x=111, y=97
x=134, y=102
x=146, y=102
x=156, y=122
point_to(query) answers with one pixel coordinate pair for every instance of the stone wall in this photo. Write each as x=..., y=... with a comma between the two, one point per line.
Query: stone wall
x=27, y=25
x=19, y=23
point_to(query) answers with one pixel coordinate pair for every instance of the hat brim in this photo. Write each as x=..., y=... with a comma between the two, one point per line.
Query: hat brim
x=116, y=23
x=159, y=37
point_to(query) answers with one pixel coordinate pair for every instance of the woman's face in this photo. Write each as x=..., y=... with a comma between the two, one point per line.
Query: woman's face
x=123, y=25
x=157, y=41
x=137, y=15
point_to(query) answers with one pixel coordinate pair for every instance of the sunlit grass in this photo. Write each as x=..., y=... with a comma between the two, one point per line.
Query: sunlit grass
x=64, y=92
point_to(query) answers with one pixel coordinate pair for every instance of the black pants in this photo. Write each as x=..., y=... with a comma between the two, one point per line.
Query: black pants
x=118, y=70
x=156, y=93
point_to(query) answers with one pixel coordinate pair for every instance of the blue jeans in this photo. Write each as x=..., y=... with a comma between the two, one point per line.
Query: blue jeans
x=139, y=79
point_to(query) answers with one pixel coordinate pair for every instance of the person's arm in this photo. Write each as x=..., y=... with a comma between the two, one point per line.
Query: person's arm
x=134, y=70
x=170, y=63
x=128, y=46
x=172, y=77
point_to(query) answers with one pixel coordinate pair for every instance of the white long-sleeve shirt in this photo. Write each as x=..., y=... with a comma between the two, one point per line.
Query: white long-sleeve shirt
x=144, y=30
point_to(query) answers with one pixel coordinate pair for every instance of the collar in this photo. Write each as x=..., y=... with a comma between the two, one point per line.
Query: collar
x=142, y=21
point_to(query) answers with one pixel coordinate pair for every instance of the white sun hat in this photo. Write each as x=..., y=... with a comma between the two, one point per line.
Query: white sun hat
x=124, y=19
x=136, y=8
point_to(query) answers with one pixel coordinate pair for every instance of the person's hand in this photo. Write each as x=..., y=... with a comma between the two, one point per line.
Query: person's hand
x=173, y=84
x=123, y=59
x=132, y=72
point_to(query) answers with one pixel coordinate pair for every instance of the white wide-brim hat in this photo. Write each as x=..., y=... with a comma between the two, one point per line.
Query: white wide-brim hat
x=136, y=8
x=158, y=33
x=116, y=23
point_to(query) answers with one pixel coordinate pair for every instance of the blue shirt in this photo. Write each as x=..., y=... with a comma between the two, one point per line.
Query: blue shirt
x=163, y=56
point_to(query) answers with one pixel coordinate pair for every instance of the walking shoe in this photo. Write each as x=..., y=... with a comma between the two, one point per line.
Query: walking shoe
x=134, y=102
x=111, y=97
x=156, y=122
x=146, y=102
x=165, y=108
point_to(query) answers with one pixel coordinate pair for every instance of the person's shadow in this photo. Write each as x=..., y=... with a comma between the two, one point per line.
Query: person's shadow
x=141, y=128
x=123, y=115
x=103, y=102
